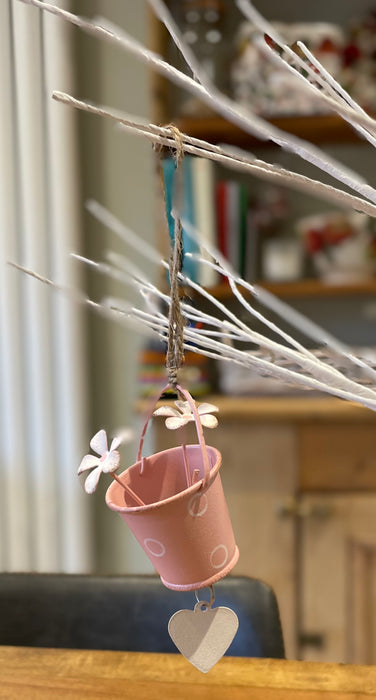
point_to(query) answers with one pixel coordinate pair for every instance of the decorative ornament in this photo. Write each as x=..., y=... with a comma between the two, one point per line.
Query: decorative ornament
x=107, y=463
x=181, y=518
x=182, y=416
x=203, y=634
x=181, y=521
x=173, y=500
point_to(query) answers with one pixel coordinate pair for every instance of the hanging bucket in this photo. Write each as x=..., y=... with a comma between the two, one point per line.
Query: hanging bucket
x=183, y=525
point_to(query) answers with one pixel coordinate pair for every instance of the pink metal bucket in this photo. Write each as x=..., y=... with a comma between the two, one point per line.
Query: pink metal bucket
x=183, y=527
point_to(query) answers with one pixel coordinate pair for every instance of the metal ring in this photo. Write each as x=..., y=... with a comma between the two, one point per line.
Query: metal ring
x=204, y=602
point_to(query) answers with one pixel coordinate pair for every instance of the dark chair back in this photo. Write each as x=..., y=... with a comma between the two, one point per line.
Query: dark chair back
x=127, y=613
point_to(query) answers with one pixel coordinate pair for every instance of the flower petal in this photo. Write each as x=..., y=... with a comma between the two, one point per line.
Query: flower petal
x=88, y=462
x=115, y=443
x=98, y=443
x=209, y=421
x=174, y=423
x=183, y=406
x=91, y=482
x=207, y=408
x=166, y=411
x=111, y=463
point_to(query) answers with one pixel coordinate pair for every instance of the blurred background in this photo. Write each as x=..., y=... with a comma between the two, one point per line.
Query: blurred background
x=66, y=372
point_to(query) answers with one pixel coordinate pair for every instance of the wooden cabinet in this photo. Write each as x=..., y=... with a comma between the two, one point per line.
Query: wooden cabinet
x=258, y=474
x=339, y=457
x=337, y=542
x=338, y=578
x=299, y=475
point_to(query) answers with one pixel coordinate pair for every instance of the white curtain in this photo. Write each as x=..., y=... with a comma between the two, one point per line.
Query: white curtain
x=44, y=515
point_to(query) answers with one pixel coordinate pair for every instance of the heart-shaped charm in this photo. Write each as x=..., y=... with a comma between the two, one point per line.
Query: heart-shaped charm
x=204, y=634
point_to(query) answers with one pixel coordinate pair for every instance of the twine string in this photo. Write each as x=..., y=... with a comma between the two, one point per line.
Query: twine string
x=175, y=341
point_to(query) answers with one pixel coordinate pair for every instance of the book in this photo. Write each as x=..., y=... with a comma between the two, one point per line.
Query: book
x=204, y=213
x=232, y=204
x=221, y=205
x=251, y=256
x=233, y=222
x=243, y=227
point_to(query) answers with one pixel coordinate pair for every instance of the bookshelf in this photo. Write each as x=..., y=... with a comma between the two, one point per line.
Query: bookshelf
x=317, y=129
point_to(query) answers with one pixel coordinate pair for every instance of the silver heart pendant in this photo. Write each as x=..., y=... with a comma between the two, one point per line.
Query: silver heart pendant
x=204, y=634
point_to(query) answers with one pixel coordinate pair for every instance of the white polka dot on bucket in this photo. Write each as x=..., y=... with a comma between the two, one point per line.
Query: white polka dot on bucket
x=198, y=505
x=154, y=547
x=222, y=559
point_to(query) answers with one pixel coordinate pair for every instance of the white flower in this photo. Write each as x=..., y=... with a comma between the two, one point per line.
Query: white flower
x=184, y=415
x=107, y=462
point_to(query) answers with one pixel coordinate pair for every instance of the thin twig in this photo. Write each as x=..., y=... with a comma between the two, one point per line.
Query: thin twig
x=260, y=169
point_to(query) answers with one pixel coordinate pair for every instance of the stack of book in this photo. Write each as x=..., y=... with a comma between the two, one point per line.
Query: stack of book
x=219, y=211
x=195, y=374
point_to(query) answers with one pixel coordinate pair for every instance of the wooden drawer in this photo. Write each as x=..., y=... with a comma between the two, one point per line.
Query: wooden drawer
x=337, y=457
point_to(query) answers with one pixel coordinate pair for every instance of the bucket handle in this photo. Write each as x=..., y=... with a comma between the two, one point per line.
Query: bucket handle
x=200, y=432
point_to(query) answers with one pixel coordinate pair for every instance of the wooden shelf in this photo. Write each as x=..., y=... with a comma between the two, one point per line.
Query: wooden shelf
x=287, y=408
x=304, y=289
x=282, y=409
x=327, y=128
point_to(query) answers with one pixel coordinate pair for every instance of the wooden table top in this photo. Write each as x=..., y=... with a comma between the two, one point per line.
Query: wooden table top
x=53, y=674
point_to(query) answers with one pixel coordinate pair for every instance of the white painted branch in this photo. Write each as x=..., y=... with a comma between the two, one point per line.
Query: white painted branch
x=264, y=171
x=229, y=109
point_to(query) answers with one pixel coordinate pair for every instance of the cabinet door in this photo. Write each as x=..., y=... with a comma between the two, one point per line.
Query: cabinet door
x=258, y=475
x=338, y=579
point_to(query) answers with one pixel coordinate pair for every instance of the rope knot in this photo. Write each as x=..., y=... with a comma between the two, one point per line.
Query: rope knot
x=179, y=147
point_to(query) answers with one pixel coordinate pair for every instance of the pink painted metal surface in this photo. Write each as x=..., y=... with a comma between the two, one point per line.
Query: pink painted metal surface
x=184, y=528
